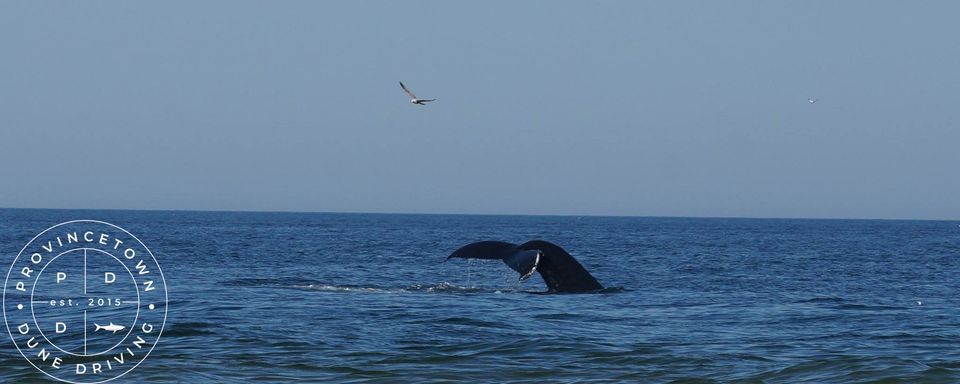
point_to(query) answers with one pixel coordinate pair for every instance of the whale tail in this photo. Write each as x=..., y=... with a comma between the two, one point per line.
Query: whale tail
x=560, y=271
x=490, y=250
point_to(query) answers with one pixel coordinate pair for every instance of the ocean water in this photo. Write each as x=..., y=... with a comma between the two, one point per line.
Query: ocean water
x=311, y=297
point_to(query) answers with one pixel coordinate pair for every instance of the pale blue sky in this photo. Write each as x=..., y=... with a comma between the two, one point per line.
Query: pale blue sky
x=669, y=108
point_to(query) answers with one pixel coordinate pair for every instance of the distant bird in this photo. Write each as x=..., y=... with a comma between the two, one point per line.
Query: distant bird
x=413, y=98
x=811, y=100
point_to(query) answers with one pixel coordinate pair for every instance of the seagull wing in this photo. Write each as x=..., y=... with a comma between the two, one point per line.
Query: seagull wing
x=412, y=96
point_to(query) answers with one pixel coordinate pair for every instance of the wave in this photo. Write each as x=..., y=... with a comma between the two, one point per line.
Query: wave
x=318, y=286
x=190, y=329
x=845, y=304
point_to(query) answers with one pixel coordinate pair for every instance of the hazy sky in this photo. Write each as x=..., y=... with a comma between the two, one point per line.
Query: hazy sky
x=672, y=108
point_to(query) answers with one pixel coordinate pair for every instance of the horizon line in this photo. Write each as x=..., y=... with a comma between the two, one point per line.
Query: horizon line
x=471, y=214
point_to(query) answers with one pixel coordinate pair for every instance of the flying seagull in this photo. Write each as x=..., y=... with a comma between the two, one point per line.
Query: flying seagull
x=413, y=98
x=811, y=100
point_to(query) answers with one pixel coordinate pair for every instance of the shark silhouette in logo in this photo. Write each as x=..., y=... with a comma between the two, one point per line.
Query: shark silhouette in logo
x=110, y=328
x=413, y=98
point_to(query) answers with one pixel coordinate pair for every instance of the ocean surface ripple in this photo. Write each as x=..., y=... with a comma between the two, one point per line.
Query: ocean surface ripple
x=300, y=297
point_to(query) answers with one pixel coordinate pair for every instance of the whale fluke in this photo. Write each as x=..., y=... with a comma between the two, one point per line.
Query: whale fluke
x=560, y=271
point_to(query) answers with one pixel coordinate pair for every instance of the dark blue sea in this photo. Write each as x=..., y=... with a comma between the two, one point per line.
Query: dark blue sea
x=317, y=297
